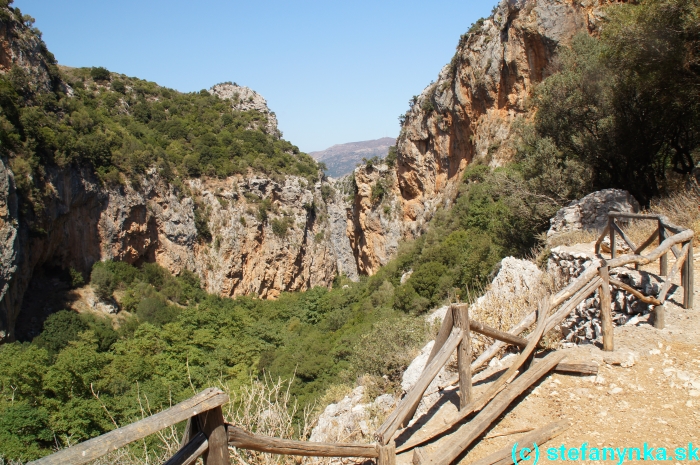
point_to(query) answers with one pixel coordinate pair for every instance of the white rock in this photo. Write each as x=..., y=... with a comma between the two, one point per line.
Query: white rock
x=437, y=315
x=591, y=212
x=623, y=357
x=414, y=370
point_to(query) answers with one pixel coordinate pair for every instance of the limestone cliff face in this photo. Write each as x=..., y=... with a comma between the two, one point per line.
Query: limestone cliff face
x=466, y=115
x=247, y=234
x=375, y=228
x=267, y=236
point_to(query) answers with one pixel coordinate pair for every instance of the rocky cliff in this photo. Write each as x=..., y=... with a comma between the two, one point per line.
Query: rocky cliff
x=245, y=234
x=466, y=115
x=265, y=236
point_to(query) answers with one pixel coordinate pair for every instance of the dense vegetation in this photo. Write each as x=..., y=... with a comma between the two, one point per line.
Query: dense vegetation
x=622, y=110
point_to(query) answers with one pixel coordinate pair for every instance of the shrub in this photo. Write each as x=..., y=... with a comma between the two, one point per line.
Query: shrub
x=280, y=226
x=119, y=86
x=327, y=192
x=389, y=347
x=76, y=277
x=100, y=74
x=391, y=157
x=379, y=189
x=201, y=222
x=102, y=280
x=59, y=329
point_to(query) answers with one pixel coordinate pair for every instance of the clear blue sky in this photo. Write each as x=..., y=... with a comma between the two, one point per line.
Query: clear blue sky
x=332, y=71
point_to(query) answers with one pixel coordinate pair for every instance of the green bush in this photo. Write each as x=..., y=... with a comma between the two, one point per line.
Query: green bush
x=280, y=226
x=119, y=86
x=100, y=74
x=103, y=281
x=379, y=190
x=59, y=329
x=327, y=192
x=76, y=277
x=391, y=157
x=201, y=222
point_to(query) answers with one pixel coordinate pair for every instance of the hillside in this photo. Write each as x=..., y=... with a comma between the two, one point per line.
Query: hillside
x=341, y=159
x=191, y=245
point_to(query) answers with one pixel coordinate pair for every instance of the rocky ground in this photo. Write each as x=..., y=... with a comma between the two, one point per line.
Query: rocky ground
x=646, y=391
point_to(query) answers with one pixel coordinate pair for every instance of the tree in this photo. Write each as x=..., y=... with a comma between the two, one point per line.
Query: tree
x=625, y=105
x=100, y=74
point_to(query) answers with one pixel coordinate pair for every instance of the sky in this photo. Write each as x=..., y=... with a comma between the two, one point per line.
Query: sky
x=333, y=72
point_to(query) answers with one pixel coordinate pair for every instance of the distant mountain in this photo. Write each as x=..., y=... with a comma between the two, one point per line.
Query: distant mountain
x=341, y=159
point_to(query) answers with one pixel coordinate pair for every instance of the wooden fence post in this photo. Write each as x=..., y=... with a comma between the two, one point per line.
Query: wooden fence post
x=663, y=261
x=659, y=316
x=688, y=278
x=387, y=454
x=611, y=228
x=460, y=316
x=605, y=310
x=214, y=428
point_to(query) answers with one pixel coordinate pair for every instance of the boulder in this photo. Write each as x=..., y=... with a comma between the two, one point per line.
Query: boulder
x=591, y=212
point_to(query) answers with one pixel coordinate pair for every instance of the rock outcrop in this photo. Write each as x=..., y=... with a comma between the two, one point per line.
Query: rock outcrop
x=468, y=113
x=245, y=99
x=591, y=212
x=375, y=228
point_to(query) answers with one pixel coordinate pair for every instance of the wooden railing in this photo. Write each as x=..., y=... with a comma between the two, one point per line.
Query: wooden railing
x=670, y=237
x=207, y=435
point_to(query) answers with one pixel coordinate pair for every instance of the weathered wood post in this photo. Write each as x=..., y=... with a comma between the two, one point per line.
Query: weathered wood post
x=663, y=261
x=387, y=454
x=460, y=316
x=659, y=316
x=605, y=309
x=214, y=428
x=611, y=228
x=687, y=277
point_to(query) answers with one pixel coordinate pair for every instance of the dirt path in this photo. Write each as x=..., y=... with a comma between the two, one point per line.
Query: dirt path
x=654, y=401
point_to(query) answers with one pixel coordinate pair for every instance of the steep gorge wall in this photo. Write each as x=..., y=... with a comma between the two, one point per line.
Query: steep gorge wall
x=266, y=234
x=466, y=115
x=155, y=222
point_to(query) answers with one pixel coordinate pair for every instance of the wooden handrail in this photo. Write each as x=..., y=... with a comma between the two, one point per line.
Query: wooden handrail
x=191, y=451
x=407, y=405
x=243, y=439
x=109, y=442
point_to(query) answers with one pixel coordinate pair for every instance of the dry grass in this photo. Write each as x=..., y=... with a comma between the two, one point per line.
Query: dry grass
x=504, y=310
x=682, y=209
x=264, y=407
x=570, y=238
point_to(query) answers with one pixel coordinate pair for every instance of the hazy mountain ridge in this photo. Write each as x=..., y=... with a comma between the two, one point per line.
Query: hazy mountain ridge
x=341, y=159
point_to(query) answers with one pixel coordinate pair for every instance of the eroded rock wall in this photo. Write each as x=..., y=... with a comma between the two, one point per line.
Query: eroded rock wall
x=267, y=236
x=467, y=115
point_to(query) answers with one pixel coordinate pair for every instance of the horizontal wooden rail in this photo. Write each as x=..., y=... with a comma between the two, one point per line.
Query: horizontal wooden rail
x=655, y=254
x=635, y=216
x=635, y=292
x=493, y=333
x=242, y=439
x=190, y=452
x=109, y=442
x=539, y=437
x=578, y=368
